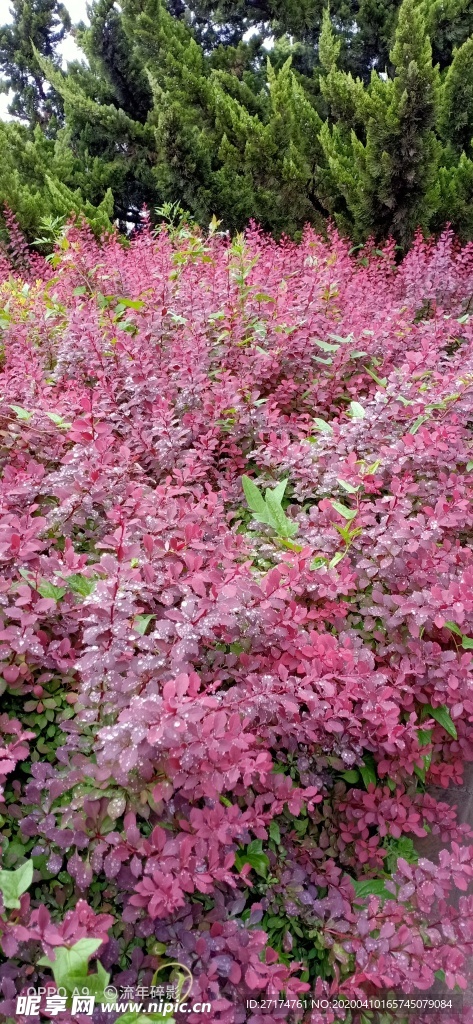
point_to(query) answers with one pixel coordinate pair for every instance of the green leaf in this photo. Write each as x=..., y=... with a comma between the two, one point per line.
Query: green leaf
x=442, y=716
x=467, y=643
x=259, y=862
x=96, y=983
x=263, y=517
x=71, y=965
x=356, y=411
x=381, y=381
x=80, y=290
x=372, y=887
x=275, y=922
x=279, y=490
x=469, y=467
x=14, y=883
x=22, y=414
x=336, y=559
x=373, y=467
x=325, y=346
x=141, y=623
x=47, y=589
x=342, y=341
x=254, y=497
x=128, y=304
x=368, y=771
x=349, y=488
x=274, y=832
x=351, y=776
x=317, y=563
x=452, y=626
x=277, y=518
x=424, y=736
x=58, y=420
x=418, y=423
x=126, y=325
x=321, y=425
x=81, y=584
x=347, y=513
x=402, y=847
x=289, y=544
x=254, y=856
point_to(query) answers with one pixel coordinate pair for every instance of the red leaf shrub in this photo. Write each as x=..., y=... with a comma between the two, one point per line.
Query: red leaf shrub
x=233, y=727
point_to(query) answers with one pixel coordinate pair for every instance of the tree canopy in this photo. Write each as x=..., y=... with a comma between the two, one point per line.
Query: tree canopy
x=363, y=113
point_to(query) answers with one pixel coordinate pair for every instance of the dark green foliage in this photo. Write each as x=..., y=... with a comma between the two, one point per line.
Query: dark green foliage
x=365, y=26
x=364, y=113
x=381, y=149
x=449, y=24
x=271, y=162
x=33, y=175
x=456, y=114
x=219, y=132
x=41, y=24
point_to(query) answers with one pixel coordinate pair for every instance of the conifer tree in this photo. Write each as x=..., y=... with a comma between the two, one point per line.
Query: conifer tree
x=365, y=27
x=33, y=172
x=215, y=140
x=180, y=115
x=171, y=104
x=382, y=151
x=106, y=127
x=270, y=165
x=449, y=24
x=454, y=199
x=40, y=25
x=455, y=125
x=456, y=108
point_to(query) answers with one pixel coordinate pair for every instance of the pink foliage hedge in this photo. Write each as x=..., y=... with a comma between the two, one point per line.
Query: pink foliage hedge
x=211, y=733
